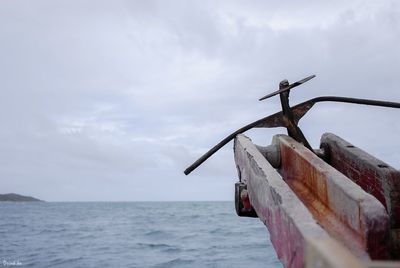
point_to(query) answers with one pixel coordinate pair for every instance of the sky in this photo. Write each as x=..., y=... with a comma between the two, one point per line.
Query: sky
x=112, y=100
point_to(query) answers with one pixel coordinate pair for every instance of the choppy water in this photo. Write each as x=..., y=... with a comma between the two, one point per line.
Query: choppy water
x=132, y=234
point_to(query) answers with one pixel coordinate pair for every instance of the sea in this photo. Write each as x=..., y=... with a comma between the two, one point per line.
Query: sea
x=131, y=234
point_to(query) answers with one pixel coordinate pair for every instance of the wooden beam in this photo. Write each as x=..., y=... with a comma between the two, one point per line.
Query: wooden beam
x=343, y=209
x=373, y=175
x=289, y=222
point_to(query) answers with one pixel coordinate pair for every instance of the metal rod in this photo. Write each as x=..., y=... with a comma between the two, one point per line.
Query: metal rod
x=356, y=101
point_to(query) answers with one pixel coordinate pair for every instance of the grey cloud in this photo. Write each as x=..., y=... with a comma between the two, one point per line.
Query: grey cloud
x=111, y=101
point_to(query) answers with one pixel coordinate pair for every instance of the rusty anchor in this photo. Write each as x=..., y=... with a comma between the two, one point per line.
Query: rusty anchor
x=289, y=116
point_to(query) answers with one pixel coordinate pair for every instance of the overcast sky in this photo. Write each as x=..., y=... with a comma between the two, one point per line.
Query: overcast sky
x=112, y=100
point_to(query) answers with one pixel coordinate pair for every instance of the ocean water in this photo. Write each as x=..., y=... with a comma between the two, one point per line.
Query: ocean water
x=132, y=234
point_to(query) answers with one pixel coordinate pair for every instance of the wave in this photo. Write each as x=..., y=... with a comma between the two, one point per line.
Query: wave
x=53, y=231
x=192, y=237
x=158, y=234
x=160, y=246
x=175, y=263
x=59, y=261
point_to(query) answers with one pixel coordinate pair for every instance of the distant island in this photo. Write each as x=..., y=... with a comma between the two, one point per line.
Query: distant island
x=17, y=198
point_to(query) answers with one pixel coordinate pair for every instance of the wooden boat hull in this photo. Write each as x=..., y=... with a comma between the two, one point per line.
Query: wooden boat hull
x=305, y=201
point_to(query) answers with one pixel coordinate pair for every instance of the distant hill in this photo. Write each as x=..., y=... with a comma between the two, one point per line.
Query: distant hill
x=17, y=198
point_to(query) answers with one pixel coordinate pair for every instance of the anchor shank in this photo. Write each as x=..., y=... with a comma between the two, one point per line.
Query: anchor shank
x=288, y=118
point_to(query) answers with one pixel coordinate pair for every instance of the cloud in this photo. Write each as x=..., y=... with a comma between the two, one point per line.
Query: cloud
x=111, y=101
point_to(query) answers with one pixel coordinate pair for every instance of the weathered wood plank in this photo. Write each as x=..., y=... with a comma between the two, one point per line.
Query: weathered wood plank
x=345, y=211
x=373, y=175
x=288, y=220
x=328, y=253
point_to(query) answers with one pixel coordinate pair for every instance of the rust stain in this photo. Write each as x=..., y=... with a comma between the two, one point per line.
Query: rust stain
x=308, y=177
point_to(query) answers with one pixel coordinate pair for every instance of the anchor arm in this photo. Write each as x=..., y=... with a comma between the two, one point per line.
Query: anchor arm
x=271, y=121
x=301, y=109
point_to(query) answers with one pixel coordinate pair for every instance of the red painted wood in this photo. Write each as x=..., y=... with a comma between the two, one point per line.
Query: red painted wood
x=372, y=174
x=344, y=210
x=289, y=222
